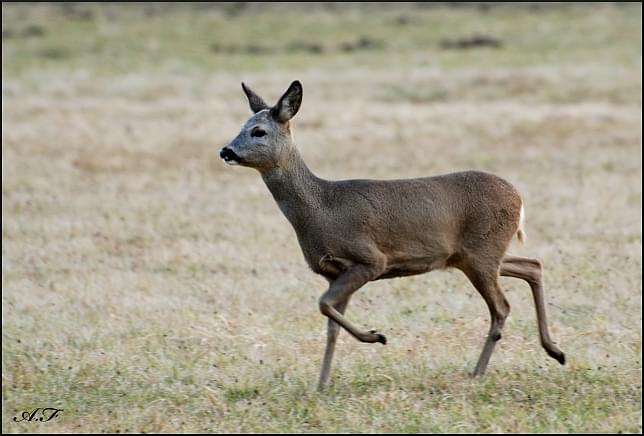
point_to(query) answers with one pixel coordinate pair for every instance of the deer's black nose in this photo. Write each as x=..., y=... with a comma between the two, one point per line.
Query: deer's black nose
x=228, y=155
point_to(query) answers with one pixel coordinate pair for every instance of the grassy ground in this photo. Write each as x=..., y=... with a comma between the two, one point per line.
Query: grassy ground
x=149, y=287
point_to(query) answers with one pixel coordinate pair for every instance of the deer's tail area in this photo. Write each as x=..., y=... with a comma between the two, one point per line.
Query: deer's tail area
x=521, y=236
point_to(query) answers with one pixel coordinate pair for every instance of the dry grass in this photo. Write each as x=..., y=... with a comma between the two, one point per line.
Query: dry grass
x=148, y=287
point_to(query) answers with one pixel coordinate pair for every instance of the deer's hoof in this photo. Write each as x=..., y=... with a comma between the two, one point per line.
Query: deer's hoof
x=379, y=337
x=558, y=356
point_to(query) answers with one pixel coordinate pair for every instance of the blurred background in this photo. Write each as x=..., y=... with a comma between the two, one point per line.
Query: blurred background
x=149, y=287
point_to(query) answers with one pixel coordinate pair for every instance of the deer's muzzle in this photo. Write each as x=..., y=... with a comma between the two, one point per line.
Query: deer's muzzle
x=229, y=156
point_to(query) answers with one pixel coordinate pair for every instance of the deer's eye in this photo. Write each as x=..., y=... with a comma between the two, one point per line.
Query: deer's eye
x=258, y=133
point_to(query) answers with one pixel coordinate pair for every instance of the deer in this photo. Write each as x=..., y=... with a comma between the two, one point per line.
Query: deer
x=352, y=232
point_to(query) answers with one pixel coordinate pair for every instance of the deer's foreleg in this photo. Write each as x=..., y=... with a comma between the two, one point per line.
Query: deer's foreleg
x=333, y=329
x=340, y=290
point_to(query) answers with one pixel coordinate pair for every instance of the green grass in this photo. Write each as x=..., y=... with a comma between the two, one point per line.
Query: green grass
x=147, y=287
x=170, y=385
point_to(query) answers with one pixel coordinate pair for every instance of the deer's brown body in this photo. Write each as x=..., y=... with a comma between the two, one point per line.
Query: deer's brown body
x=356, y=231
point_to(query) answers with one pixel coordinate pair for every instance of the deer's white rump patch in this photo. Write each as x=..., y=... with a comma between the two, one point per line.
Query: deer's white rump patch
x=520, y=232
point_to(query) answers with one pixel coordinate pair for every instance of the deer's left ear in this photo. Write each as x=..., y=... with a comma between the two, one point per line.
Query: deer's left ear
x=289, y=103
x=255, y=102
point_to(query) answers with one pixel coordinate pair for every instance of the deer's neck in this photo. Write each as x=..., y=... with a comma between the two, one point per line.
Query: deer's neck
x=295, y=188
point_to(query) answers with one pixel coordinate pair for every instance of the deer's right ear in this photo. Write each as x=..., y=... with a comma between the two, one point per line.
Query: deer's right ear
x=255, y=101
x=289, y=103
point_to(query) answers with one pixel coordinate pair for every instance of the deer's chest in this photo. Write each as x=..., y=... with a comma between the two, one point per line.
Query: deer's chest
x=319, y=255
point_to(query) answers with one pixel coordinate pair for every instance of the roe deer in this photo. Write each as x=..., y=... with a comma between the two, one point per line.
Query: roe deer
x=356, y=231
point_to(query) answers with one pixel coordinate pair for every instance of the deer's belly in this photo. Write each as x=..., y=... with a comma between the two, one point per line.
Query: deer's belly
x=410, y=267
x=330, y=266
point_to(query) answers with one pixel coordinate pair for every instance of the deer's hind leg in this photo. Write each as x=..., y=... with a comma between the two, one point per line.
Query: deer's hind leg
x=485, y=280
x=530, y=270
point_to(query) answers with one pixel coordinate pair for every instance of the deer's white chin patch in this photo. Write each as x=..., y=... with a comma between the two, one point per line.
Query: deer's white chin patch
x=231, y=162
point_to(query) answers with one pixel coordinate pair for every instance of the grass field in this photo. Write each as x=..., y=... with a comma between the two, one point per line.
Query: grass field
x=148, y=287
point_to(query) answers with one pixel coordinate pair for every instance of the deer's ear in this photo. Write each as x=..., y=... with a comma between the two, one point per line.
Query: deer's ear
x=255, y=102
x=289, y=103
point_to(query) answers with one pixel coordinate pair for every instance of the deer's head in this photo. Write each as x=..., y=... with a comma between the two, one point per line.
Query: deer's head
x=265, y=140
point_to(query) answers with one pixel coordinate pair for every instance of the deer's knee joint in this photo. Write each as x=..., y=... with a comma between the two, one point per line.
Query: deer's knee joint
x=325, y=306
x=496, y=336
x=536, y=269
x=537, y=264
